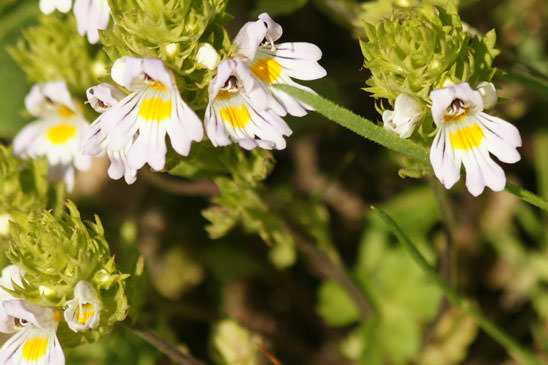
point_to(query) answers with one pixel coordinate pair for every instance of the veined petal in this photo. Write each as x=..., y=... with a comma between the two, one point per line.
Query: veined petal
x=103, y=96
x=482, y=171
x=444, y=99
x=445, y=163
x=273, y=29
x=184, y=127
x=501, y=138
x=248, y=39
x=132, y=73
x=239, y=121
x=32, y=346
x=36, y=315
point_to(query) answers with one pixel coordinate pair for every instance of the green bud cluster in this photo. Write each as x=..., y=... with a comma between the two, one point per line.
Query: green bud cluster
x=170, y=30
x=53, y=50
x=419, y=49
x=23, y=184
x=55, y=254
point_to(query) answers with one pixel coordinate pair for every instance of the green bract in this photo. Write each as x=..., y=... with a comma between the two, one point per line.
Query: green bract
x=53, y=50
x=418, y=50
x=172, y=31
x=57, y=253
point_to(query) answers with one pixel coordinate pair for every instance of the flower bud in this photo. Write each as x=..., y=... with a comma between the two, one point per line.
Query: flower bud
x=403, y=120
x=488, y=94
x=207, y=56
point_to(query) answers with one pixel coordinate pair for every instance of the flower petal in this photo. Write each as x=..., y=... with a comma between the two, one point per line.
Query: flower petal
x=444, y=162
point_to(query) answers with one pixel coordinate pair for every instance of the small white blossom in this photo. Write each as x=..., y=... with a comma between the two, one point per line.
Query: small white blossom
x=405, y=116
x=132, y=130
x=207, y=56
x=91, y=16
x=241, y=110
x=34, y=339
x=466, y=136
x=273, y=63
x=84, y=310
x=49, y=6
x=56, y=134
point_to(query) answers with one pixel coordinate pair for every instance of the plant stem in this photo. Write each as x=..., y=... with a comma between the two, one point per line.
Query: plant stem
x=527, y=196
x=360, y=125
x=165, y=347
x=495, y=332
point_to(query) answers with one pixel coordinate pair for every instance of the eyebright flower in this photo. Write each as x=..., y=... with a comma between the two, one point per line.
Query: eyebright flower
x=405, y=116
x=241, y=110
x=132, y=131
x=467, y=135
x=278, y=63
x=48, y=6
x=91, y=16
x=84, y=310
x=56, y=134
x=34, y=340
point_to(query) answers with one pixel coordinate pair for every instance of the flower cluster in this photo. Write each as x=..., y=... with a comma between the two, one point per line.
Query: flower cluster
x=244, y=105
x=415, y=74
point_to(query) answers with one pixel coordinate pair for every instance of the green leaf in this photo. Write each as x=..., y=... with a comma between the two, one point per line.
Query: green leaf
x=335, y=305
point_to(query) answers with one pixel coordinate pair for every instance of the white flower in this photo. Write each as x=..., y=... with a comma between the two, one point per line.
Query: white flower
x=48, y=6
x=91, y=16
x=241, y=110
x=467, y=135
x=132, y=131
x=207, y=56
x=405, y=116
x=84, y=310
x=278, y=63
x=56, y=134
x=35, y=340
x=488, y=94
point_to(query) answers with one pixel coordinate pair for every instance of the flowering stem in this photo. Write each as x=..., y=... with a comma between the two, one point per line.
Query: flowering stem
x=493, y=330
x=359, y=125
x=165, y=347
